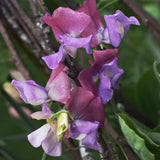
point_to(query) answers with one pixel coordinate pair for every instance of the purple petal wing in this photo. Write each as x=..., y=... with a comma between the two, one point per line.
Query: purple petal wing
x=53, y=60
x=51, y=145
x=112, y=71
x=78, y=42
x=125, y=21
x=117, y=25
x=112, y=30
x=85, y=131
x=38, y=136
x=104, y=91
x=89, y=76
x=45, y=110
x=31, y=92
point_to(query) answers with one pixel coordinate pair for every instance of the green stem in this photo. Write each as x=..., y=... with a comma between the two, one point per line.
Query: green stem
x=44, y=156
x=108, y=4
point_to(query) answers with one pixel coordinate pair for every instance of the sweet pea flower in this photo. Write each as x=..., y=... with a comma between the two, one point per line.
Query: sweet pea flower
x=117, y=25
x=45, y=136
x=84, y=105
x=67, y=25
x=88, y=113
x=95, y=26
x=83, y=125
x=103, y=75
x=57, y=89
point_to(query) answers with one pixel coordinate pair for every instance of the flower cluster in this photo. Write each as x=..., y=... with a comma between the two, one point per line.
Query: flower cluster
x=84, y=106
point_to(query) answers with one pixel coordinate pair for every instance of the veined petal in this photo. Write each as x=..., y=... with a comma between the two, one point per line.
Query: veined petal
x=67, y=21
x=104, y=91
x=77, y=43
x=95, y=26
x=30, y=91
x=38, y=136
x=117, y=25
x=77, y=102
x=88, y=77
x=38, y=115
x=112, y=31
x=103, y=57
x=84, y=105
x=53, y=60
x=45, y=110
x=58, y=85
x=125, y=21
x=87, y=131
x=112, y=71
x=51, y=146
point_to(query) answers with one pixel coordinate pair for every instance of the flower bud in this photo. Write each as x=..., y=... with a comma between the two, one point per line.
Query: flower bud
x=62, y=125
x=9, y=89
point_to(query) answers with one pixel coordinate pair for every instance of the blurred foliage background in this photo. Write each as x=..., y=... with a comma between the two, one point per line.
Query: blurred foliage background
x=135, y=107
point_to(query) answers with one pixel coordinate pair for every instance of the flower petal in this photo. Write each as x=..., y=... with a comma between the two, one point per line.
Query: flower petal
x=84, y=105
x=88, y=77
x=58, y=85
x=117, y=25
x=38, y=136
x=30, y=91
x=66, y=21
x=51, y=145
x=38, y=115
x=112, y=71
x=104, y=91
x=45, y=110
x=77, y=43
x=87, y=131
x=53, y=60
x=95, y=26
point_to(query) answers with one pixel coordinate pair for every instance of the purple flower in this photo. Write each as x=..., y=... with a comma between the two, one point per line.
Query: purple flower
x=117, y=25
x=95, y=26
x=69, y=46
x=103, y=75
x=67, y=25
x=57, y=89
x=87, y=132
x=45, y=136
x=84, y=105
x=88, y=115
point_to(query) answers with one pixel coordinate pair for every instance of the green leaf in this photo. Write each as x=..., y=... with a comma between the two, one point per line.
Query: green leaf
x=155, y=136
x=148, y=96
x=134, y=139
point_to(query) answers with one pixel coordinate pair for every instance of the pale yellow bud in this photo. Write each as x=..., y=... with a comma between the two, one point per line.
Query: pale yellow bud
x=62, y=125
x=10, y=90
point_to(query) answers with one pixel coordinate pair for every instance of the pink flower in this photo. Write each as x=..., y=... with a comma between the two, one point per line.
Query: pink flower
x=102, y=75
x=57, y=89
x=67, y=26
x=84, y=105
